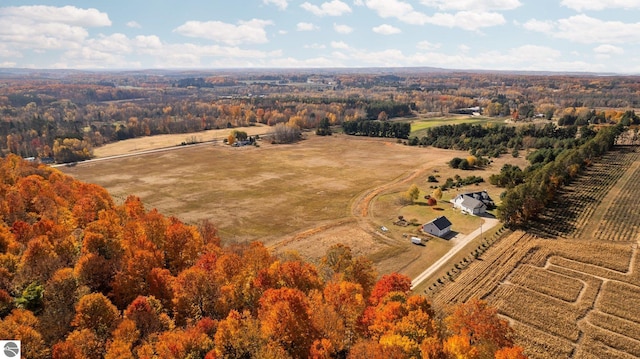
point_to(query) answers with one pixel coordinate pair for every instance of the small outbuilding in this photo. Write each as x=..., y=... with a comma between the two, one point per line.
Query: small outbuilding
x=439, y=227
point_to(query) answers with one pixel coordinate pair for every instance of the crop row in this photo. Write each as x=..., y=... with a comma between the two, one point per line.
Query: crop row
x=546, y=282
x=457, y=268
x=483, y=276
x=578, y=202
x=598, y=184
x=621, y=222
x=548, y=290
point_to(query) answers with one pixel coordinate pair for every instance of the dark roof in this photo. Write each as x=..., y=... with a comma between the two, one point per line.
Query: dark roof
x=441, y=222
x=481, y=196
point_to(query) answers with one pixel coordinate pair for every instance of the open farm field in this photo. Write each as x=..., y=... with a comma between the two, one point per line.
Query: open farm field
x=303, y=197
x=162, y=141
x=569, y=287
x=419, y=126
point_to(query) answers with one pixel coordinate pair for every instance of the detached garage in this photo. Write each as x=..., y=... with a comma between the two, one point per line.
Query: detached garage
x=439, y=227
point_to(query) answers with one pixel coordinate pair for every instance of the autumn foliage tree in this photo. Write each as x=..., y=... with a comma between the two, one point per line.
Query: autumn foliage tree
x=82, y=277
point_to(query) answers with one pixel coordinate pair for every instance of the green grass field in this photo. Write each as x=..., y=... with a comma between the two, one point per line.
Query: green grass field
x=419, y=127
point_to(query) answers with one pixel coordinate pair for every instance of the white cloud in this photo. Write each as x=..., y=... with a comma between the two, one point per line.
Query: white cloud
x=397, y=9
x=540, y=26
x=69, y=15
x=386, y=29
x=143, y=42
x=115, y=43
x=192, y=55
x=306, y=26
x=88, y=57
x=342, y=29
x=581, y=5
x=523, y=58
x=588, y=30
x=384, y=58
x=340, y=55
x=331, y=8
x=473, y=5
x=403, y=11
x=282, y=32
x=339, y=45
x=7, y=64
x=608, y=50
x=246, y=32
x=281, y=4
x=358, y=2
x=8, y=51
x=468, y=20
x=315, y=46
x=426, y=45
x=134, y=24
x=26, y=35
x=47, y=27
x=464, y=48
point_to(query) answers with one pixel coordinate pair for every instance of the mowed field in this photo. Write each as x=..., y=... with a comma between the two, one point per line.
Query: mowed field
x=303, y=197
x=570, y=286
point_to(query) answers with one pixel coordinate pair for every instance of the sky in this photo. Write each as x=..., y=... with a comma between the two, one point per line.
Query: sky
x=521, y=35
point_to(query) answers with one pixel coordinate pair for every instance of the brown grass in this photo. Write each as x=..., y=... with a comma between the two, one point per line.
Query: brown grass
x=301, y=197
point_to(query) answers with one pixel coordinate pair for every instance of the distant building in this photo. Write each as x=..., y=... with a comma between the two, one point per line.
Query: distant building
x=473, y=202
x=439, y=227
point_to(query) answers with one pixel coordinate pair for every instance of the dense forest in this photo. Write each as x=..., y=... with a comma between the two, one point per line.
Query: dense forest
x=63, y=115
x=82, y=277
x=495, y=140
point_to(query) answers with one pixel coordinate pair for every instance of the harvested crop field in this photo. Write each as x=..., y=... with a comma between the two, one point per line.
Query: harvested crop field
x=570, y=286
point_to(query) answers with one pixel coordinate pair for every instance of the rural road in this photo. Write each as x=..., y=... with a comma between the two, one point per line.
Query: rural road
x=215, y=140
x=460, y=242
x=133, y=154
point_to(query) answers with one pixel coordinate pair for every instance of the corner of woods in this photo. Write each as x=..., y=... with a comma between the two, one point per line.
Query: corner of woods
x=82, y=277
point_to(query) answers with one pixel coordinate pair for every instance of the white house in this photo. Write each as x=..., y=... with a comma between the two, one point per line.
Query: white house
x=438, y=227
x=473, y=202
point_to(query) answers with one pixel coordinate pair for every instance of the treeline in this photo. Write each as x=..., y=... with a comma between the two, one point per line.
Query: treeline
x=82, y=277
x=390, y=108
x=525, y=201
x=494, y=140
x=373, y=128
x=200, y=82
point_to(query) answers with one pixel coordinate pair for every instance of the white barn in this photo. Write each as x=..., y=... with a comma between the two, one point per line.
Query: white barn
x=439, y=227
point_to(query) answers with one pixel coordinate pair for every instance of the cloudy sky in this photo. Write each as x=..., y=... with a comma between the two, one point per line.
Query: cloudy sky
x=563, y=35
